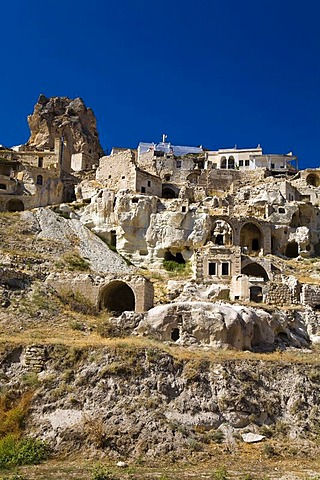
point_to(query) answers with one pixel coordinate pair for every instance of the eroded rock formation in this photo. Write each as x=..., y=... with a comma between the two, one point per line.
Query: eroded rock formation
x=70, y=119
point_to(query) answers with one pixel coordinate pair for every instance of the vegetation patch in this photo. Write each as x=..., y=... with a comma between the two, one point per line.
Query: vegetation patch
x=26, y=451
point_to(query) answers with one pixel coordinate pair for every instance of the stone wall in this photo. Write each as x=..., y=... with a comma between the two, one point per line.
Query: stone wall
x=280, y=294
x=148, y=184
x=92, y=288
x=310, y=295
x=117, y=171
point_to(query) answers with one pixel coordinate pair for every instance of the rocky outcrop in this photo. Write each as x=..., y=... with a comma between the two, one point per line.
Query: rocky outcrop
x=223, y=325
x=58, y=117
x=52, y=226
x=127, y=403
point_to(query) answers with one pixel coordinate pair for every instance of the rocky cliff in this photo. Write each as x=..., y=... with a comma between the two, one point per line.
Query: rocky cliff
x=128, y=400
x=58, y=117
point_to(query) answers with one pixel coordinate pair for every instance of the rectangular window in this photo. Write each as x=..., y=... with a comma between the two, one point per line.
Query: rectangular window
x=212, y=268
x=149, y=183
x=178, y=163
x=40, y=162
x=143, y=189
x=247, y=163
x=240, y=163
x=225, y=268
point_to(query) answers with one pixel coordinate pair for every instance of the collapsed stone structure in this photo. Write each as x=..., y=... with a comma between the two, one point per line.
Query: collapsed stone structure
x=231, y=214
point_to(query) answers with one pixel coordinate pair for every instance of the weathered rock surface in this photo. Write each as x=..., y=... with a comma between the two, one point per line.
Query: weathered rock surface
x=132, y=402
x=223, y=325
x=55, y=227
x=58, y=117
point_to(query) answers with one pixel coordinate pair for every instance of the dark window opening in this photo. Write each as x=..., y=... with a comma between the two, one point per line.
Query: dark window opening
x=178, y=163
x=219, y=240
x=40, y=162
x=143, y=189
x=255, y=244
x=240, y=163
x=212, y=268
x=167, y=178
x=247, y=163
x=225, y=268
x=149, y=183
x=272, y=165
x=135, y=200
x=184, y=209
x=113, y=238
x=175, y=334
x=39, y=179
x=316, y=307
x=231, y=163
x=158, y=154
x=256, y=294
x=281, y=210
x=3, y=186
x=236, y=297
x=201, y=164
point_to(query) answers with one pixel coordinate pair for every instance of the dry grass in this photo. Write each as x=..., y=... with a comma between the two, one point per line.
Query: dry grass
x=63, y=334
x=246, y=460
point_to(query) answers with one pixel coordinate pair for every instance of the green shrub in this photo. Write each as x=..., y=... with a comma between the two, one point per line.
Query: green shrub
x=217, y=436
x=78, y=303
x=73, y=261
x=107, y=329
x=220, y=474
x=173, y=266
x=269, y=450
x=15, y=451
x=101, y=473
x=15, y=476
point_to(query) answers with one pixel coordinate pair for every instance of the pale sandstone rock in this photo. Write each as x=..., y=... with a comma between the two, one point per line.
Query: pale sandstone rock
x=221, y=325
x=252, y=437
x=91, y=247
x=62, y=116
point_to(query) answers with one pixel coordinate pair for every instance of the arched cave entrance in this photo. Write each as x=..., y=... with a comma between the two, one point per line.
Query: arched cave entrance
x=313, y=180
x=251, y=238
x=255, y=270
x=117, y=297
x=169, y=192
x=256, y=294
x=15, y=205
x=292, y=250
x=193, y=178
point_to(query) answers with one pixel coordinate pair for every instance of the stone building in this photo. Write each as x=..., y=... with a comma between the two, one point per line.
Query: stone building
x=120, y=171
x=30, y=179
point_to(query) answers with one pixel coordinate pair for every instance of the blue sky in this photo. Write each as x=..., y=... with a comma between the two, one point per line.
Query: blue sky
x=216, y=73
